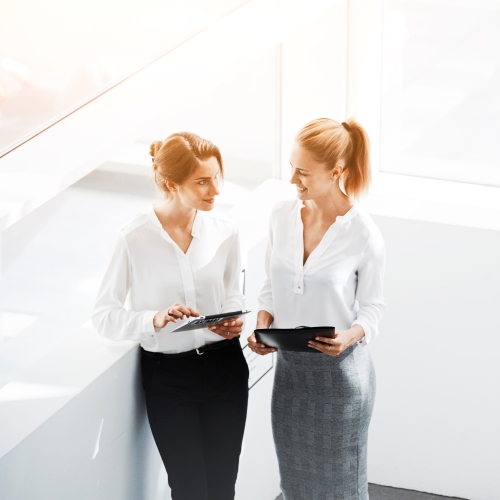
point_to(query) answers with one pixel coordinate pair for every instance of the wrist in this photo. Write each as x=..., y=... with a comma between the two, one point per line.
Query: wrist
x=154, y=320
x=353, y=335
x=348, y=337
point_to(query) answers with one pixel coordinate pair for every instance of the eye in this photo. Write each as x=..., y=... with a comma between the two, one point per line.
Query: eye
x=202, y=183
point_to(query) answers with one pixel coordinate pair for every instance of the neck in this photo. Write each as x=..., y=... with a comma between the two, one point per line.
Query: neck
x=175, y=215
x=330, y=206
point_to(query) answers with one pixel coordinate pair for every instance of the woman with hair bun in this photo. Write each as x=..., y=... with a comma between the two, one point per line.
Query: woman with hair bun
x=167, y=264
x=325, y=266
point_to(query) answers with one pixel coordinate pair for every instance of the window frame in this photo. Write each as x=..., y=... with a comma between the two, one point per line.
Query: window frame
x=405, y=196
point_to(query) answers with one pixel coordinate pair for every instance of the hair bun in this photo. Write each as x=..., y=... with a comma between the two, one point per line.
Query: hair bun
x=154, y=148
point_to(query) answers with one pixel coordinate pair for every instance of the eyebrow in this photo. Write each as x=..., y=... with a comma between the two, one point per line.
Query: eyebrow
x=205, y=178
x=299, y=168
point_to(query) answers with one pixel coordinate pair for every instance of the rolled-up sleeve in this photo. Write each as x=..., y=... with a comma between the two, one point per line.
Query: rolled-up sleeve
x=370, y=287
x=109, y=316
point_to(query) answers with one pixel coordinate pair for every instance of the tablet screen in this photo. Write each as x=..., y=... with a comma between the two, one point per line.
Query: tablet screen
x=205, y=321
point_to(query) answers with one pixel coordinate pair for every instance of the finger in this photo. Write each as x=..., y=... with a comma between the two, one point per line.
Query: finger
x=263, y=352
x=174, y=312
x=228, y=322
x=263, y=347
x=320, y=346
x=182, y=310
x=327, y=340
x=232, y=329
x=192, y=312
x=314, y=347
x=226, y=335
x=170, y=318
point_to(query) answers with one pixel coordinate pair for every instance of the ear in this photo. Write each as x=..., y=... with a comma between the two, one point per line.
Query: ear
x=171, y=185
x=336, y=171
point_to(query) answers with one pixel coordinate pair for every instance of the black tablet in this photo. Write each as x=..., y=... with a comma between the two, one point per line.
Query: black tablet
x=206, y=321
x=293, y=339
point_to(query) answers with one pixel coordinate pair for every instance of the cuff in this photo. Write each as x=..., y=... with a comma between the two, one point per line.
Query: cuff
x=366, y=339
x=148, y=327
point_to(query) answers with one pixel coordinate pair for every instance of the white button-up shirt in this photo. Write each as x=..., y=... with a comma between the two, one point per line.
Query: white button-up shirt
x=148, y=272
x=340, y=284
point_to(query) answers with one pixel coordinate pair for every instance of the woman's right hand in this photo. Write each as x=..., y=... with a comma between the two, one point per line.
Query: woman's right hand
x=259, y=348
x=172, y=314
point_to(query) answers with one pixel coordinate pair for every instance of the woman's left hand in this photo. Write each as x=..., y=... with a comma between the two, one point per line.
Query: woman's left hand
x=231, y=328
x=332, y=347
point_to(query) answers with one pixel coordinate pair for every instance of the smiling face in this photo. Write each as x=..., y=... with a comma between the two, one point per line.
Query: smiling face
x=201, y=188
x=312, y=179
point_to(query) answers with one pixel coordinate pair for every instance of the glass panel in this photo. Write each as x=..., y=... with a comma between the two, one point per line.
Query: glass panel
x=57, y=55
x=440, y=102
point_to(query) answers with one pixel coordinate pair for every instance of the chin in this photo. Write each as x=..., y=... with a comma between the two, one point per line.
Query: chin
x=206, y=206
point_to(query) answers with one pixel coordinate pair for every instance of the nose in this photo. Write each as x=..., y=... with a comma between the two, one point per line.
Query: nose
x=214, y=189
x=293, y=178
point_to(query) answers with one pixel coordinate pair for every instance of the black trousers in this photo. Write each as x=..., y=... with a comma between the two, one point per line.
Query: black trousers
x=197, y=407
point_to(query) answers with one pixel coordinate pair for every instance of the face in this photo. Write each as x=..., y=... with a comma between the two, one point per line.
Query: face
x=199, y=190
x=311, y=178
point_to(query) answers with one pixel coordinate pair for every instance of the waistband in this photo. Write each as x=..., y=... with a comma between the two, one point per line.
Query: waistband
x=221, y=344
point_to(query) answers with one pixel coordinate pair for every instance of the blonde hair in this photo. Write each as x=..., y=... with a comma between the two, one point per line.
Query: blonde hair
x=329, y=141
x=177, y=157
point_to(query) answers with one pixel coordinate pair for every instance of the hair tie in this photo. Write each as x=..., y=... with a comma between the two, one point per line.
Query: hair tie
x=346, y=126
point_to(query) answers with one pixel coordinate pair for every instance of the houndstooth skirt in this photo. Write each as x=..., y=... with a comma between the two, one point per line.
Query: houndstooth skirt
x=321, y=410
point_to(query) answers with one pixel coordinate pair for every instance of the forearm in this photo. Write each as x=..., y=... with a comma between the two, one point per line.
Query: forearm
x=264, y=319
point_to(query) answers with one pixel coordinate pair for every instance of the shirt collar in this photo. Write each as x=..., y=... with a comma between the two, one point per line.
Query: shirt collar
x=341, y=219
x=195, y=230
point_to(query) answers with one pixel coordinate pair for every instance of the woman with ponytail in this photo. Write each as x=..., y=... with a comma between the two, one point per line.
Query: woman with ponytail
x=325, y=266
x=167, y=264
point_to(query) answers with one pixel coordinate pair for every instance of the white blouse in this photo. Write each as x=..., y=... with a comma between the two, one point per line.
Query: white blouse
x=341, y=283
x=148, y=272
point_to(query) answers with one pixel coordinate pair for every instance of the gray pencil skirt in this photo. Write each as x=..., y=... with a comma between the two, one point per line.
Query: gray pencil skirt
x=321, y=410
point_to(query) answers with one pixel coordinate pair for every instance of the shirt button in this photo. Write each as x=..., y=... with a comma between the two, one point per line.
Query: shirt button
x=298, y=287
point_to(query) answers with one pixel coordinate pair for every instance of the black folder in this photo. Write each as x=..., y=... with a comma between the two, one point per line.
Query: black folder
x=293, y=339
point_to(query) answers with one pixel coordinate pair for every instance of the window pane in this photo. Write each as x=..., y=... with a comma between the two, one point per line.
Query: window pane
x=57, y=55
x=440, y=91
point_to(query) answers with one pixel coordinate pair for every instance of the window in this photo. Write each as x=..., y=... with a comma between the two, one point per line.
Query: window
x=440, y=106
x=56, y=55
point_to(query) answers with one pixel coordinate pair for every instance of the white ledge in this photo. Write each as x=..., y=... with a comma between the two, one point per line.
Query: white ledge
x=30, y=400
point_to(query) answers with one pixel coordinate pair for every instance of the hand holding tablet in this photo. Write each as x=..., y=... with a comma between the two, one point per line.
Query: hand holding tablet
x=293, y=339
x=206, y=321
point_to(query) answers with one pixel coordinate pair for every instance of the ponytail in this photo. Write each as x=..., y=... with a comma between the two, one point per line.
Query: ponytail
x=357, y=172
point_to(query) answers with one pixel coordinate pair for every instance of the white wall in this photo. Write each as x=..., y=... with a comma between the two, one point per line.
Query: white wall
x=435, y=424
x=77, y=427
